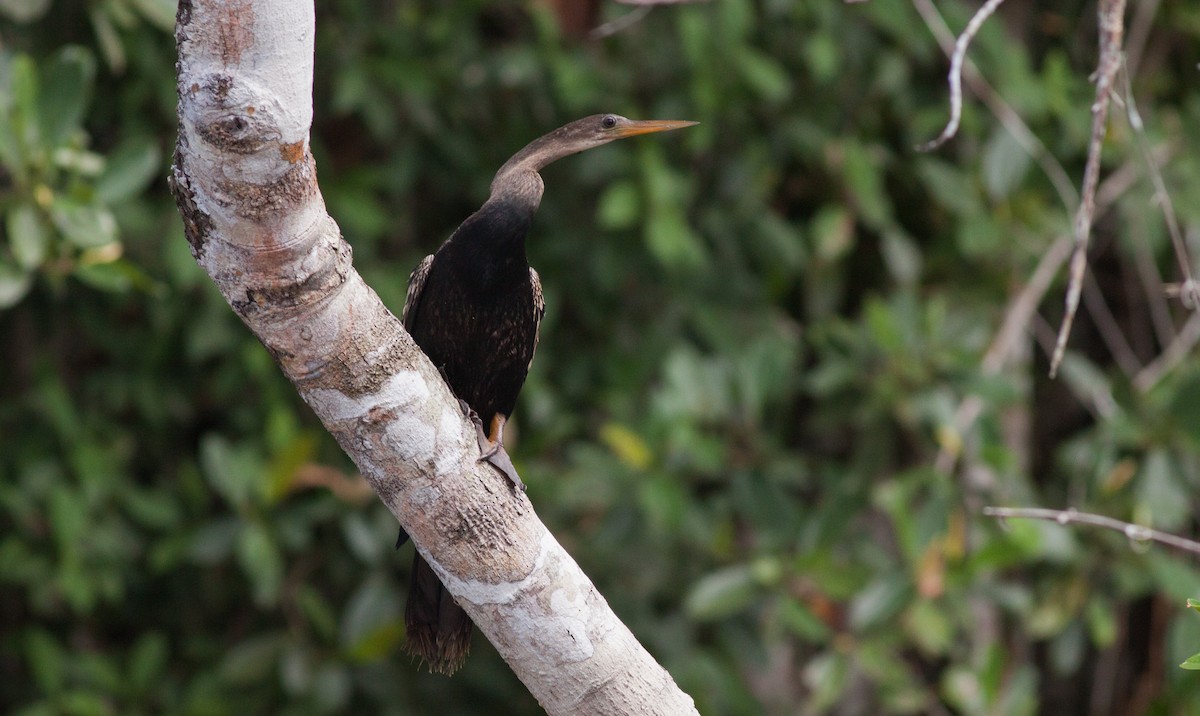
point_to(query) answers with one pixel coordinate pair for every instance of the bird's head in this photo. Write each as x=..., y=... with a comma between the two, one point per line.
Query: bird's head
x=601, y=129
x=583, y=134
x=520, y=173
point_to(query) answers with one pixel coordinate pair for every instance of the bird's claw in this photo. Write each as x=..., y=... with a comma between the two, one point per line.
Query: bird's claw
x=492, y=451
x=497, y=457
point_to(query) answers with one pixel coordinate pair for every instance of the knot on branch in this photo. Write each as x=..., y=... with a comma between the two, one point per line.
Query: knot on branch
x=238, y=131
x=231, y=116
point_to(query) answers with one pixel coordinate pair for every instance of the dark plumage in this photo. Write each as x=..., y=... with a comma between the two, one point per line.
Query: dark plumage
x=474, y=308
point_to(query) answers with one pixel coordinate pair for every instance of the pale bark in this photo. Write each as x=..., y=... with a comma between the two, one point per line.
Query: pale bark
x=246, y=186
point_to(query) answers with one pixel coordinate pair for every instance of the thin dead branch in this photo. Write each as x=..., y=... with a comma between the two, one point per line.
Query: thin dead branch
x=999, y=108
x=1189, y=296
x=1137, y=534
x=623, y=22
x=1017, y=317
x=1174, y=354
x=1111, y=14
x=1110, y=331
x=955, y=77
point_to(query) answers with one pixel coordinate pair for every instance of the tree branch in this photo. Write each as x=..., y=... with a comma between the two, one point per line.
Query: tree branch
x=1135, y=533
x=1111, y=21
x=245, y=183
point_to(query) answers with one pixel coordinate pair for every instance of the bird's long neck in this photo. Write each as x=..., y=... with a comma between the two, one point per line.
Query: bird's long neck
x=519, y=180
x=491, y=242
x=537, y=154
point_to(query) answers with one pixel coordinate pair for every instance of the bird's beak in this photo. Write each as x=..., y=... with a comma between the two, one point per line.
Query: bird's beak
x=646, y=126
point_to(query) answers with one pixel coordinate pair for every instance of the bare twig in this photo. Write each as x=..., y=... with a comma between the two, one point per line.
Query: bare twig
x=1136, y=533
x=1001, y=109
x=1151, y=280
x=1016, y=322
x=1174, y=354
x=1111, y=15
x=1139, y=32
x=628, y=20
x=1020, y=315
x=623, y=22
x=1189, y=296
x=955, y=76
x=1109, y=329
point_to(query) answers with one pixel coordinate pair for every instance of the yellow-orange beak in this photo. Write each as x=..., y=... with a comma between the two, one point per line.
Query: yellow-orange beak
x=646, y=126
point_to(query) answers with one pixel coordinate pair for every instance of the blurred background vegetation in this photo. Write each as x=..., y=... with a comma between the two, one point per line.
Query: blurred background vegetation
x=742, y=417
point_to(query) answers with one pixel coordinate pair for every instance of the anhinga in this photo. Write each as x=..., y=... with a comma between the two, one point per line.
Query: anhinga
x=474, y=307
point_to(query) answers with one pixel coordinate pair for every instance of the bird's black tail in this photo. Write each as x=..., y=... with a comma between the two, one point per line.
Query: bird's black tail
x=439, y=631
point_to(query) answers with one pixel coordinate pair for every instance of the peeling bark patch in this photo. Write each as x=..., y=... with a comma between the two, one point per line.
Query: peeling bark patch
x=570, y=614
x=481, y=592
x=235, y=29
x=475, y=525
x=183, y=14
x=197, y=226
x=400, y=390
x=258, y=202
x=285, y=294
x=409, y=437
x=291, y=153
x=359, y=370
x=218, y=87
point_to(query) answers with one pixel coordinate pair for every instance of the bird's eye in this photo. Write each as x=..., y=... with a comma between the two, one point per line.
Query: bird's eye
x=608, y=122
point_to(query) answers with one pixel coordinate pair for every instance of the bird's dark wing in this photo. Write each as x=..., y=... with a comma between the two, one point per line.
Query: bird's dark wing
x=416, y=283
x=539, y=310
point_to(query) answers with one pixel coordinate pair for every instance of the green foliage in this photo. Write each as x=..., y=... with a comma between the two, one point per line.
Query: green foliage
x=760, y=335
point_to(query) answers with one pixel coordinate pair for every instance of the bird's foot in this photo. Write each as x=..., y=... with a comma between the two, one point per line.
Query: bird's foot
x=491, y=447
x=498, y=458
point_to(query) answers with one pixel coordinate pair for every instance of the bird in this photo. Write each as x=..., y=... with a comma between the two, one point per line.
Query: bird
x=475, y=308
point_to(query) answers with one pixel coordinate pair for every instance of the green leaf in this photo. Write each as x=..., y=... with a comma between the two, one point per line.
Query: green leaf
x=1005, y=164
x=332, y=688
x=148, y=660
x=24, y=11
x=252, y=660
x=214, y=542
x=929, y=626
x=1192, y=663
x=69, y=518
x=261, y=562
x=619, y=206
x=28, y=236
x=1101, y=622
x=902, y=256
x=320, y=614
x=108, y=38
x=673, y=242
x=160, y=13
x=129, y=170
x=111, y=277
x=46, y=660
x=880, y=601
x=1160, y=491
x=1193, y=604
x=800, y=620
x=65, y=90
x=234, y=471
x=864, y=180
x=763, y=74
x=1184, y=410
x=371, y=624
x=86, y=226
x=722, y=593
x=832, y=233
